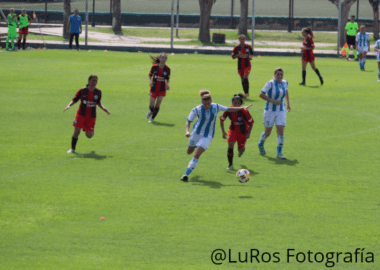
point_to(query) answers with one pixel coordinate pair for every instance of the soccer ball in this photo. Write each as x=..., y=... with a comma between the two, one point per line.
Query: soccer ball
x=243, y=175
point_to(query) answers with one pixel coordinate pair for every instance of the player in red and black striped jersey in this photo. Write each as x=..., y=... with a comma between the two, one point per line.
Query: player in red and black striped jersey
x=159, y=76
x=85, y=119
x=244, y=54
x=307, y=54
x=239, y=130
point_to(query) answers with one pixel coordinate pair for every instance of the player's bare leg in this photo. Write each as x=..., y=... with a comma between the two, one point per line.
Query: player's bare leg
x=90, y=134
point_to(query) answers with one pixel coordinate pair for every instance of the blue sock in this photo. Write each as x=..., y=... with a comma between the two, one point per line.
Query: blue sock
x=280, y=143
x=378, y=73
x=192, y=164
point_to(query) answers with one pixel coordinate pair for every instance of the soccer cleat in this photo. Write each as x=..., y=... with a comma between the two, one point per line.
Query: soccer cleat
x=302, y=83
x=240, y=154
x=78, y=50
x=280, y=156
x=148, y=115
x=321, y=79
x=151, y=120
x=261, y=148
x=184, y=178
x=378, y=80
x=246, y=96
x=72, y=150
x=8, y=49
x=230, y=167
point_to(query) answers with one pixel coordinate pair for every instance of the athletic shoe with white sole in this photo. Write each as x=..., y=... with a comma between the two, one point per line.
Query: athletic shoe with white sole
x=184, y=178
x=280, y=156
x=71, y=151
x=148, y=115
x=151, y=120
x=230, y=167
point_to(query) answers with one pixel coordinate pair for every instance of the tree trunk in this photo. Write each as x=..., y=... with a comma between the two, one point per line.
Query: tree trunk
x=204, y=21
x=243, y=17
x=116, y=16
x=346, y=6
x=66, y=16
x=375, y=8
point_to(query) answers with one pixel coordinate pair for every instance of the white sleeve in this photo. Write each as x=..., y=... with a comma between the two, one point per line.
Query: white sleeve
x=192, y=115
x=222, y=108
x=287, y=84
x=267, y=87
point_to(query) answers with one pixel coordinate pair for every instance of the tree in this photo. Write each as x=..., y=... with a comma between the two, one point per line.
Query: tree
x=116, y=16
x=204, y=20
x=243, y=17
x=66, y=16
x=346, y=6
x=375, y=8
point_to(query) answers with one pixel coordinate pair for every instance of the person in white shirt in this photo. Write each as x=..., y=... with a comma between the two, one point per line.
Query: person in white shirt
x=204, y=128
x=363, y=45
x=274, y=93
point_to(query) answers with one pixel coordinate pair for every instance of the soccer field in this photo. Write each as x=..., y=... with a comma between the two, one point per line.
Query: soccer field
x=323, y=198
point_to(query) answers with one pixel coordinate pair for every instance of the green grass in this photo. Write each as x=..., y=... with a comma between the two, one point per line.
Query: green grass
x=276, y=36
x=304, y=8
x=323, y=198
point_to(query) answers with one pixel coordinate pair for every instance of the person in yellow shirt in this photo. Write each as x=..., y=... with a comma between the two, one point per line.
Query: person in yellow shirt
x=351, y=29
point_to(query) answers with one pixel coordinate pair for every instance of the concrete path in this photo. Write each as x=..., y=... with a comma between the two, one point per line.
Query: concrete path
x=130, y=43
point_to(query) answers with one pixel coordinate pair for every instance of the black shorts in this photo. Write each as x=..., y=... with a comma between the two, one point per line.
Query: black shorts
x=351, y=40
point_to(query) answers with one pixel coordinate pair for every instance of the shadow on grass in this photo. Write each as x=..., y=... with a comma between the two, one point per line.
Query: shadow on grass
x=92, y=154
x=314, y=86
x=245, y=197
x=283, y=161
x=163, y=124
x=120, y=33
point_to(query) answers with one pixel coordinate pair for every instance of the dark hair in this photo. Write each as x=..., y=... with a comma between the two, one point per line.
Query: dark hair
x=155, y=58
x=90, y=78
x=308, y=31
x=352, y=16
x=278, y=69
x=239, y=97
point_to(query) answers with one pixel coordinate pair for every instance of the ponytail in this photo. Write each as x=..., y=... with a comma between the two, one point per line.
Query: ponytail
x=204, y=92
x=156, y=59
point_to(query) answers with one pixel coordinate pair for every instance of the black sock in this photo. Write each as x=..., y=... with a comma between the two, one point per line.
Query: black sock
x=245, y=84
x=317, y=71
x=155, y=111
x=74, y=142
x=23, y=44
x=151, y=109
x=230, y=155
x=19, y=44
x=303, y=75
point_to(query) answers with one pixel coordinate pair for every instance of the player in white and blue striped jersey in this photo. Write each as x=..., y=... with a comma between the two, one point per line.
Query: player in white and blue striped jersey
x=363, y=45
x=204, y=127
x=274, y=93
x=377, y=49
